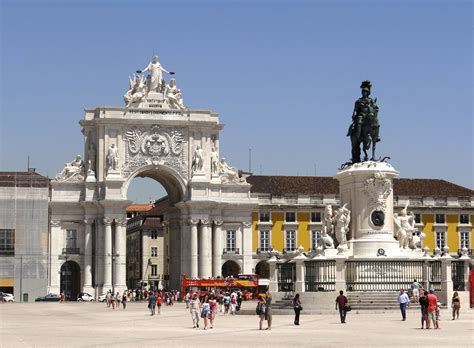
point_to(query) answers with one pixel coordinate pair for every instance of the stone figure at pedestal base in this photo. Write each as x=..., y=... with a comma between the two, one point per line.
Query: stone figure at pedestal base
x=403, y=227
x=136, y=92
x=72, y=170
x=328, y=228
x=342, y=221
x=173, y=95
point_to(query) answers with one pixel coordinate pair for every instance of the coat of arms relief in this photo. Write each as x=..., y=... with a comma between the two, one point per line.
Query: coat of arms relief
x=378, y=188
x=155, y=146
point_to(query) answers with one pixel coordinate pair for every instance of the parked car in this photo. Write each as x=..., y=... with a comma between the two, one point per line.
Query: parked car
x=48, y=298
x=102, y=298
x=6, y=297
x=84, y=296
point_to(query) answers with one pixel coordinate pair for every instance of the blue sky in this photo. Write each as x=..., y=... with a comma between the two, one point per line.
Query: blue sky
x=283, y=75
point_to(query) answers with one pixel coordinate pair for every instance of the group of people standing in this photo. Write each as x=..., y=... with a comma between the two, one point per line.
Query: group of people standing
x=429, y=305
x=113, y=300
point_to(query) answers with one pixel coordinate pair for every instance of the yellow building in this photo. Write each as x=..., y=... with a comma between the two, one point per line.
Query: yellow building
x=290, y=211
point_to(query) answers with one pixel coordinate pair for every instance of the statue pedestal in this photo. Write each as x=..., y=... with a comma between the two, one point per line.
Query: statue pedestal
x=367, y=190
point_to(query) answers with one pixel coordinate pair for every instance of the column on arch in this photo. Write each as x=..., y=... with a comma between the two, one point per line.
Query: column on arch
x=217, y=248
x=247, y=247
x=193, y=243
x=107, y=256
x=205, y=251
x=120, y=257
x=88, y=254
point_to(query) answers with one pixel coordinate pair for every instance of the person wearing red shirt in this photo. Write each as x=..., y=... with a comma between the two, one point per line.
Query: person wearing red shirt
x=341, y=302
x=432, y=304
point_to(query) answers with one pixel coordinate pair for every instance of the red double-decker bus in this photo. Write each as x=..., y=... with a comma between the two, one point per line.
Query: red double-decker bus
x=250, y=285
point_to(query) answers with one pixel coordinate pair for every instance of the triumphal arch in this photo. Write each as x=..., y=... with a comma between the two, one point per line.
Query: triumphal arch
x=153, y=135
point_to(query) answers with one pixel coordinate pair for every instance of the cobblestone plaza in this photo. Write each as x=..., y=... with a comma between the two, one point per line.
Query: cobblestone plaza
x=94, y=325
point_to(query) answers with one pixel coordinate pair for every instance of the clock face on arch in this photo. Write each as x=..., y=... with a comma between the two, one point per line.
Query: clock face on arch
x=378, y=218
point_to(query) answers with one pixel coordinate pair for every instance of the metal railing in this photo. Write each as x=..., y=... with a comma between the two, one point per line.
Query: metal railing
x=288, y=250
x=233, y=251
x=320, y=276
x=434, y=275
x=382, y=275
x=457, y=275
x=286, y=277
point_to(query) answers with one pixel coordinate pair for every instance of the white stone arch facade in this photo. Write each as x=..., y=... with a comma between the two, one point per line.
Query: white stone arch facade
x=177, y=147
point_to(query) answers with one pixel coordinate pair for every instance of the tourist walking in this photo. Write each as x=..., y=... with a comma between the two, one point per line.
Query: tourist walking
x=437, y=315
x=187, y=298
x=226, y=303
x=261, y=311
x=341, y=303
x=297, y=308
x=403, y=300
x=152, y=303
x=415, y=288
x=159, y=302
x=456, y=305
x=124, y=299
x=424, y=309
x=205, y=311
x=432, y=304
x=268, y=310
x=213, y=307
x=108, y=298
x=194, y=310
x=233, y=302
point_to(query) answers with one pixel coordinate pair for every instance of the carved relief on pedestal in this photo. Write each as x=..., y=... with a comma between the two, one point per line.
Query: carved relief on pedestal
x=157, y=146
x=377, y=188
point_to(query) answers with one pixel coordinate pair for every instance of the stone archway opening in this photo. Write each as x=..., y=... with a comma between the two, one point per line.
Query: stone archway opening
x=70, y=281
x=230, y=268
x=153, y=236
x=262, y=269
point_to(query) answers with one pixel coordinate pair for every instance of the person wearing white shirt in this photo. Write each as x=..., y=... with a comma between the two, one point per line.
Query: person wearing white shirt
x=403, y=300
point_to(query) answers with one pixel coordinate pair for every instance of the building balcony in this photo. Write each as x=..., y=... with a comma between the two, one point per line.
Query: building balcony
x=261, y=251
x=71, y=251
x=232, y=251
x=288, y=250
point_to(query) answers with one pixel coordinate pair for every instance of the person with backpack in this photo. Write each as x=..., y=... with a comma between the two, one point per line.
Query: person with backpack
x=261, y=309
x=226, y=303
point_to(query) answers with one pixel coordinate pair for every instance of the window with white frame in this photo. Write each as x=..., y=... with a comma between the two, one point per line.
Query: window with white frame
x=463, y=218
x=264, y=240
x=154, y=234
x=71, y=236
x=264, y=217
x=290, y=240
x=315, y=216
x=440, y=218
x=230, y=241
x=290, y=216
x=464, y=240
x=316, y=239
x=154, y=270
x=154, y=251
x=440, y=239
